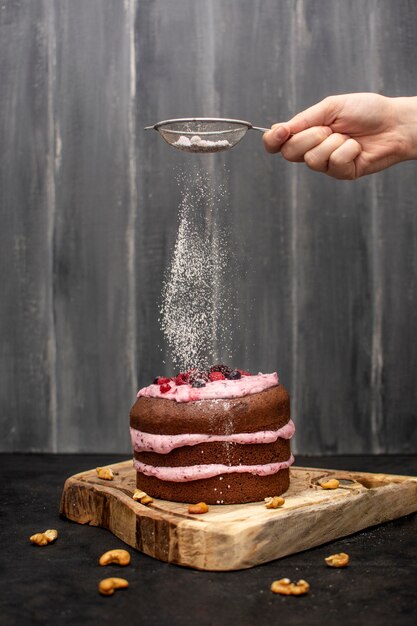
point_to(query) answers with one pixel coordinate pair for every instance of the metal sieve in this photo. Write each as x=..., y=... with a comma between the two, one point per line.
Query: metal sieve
x=203, y=134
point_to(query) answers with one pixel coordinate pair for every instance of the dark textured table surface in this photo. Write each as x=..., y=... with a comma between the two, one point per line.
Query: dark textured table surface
x=58, y=584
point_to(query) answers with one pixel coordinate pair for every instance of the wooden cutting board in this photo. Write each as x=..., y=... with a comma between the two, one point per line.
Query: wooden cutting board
x=231, y=537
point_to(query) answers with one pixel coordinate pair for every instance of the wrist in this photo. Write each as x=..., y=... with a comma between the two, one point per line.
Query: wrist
x=406, y=118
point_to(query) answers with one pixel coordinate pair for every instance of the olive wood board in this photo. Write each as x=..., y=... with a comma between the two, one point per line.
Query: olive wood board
x=239, y=536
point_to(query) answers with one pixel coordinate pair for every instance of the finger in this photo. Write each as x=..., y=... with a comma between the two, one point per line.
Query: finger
x=323, y=113
x=342, y=162
x=275, y=137
x=295, y=148
x=318, y=158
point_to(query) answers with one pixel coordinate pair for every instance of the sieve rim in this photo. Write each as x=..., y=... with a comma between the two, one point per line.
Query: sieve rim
x=202, y=119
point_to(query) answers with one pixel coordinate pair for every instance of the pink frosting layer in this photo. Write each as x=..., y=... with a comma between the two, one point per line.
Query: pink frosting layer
x=217, y=389
x=162, y=444
x=200, y=472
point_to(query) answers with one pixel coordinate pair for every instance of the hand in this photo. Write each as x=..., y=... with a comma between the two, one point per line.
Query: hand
x=349, y=136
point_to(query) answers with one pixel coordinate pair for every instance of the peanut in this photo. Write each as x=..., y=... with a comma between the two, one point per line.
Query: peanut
x=42, y=539
x=51, y=535
x=333, y=483
x=107, y=586
x=197, y=509
x=274, y=503
x=121, y=557
x=286, y=588
x=337, y=560
x=105, y=473
x=142, y=497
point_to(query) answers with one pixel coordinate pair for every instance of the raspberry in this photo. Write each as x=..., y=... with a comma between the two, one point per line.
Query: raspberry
x=216, y=376
x=181, y=379
x=164, y=387
x=162, y=380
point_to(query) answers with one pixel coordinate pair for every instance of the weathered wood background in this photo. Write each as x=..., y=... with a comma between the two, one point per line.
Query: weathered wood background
x=89, y=213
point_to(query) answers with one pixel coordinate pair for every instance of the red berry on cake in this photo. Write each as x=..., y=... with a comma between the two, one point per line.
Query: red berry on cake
x=163, y=380
x=244, y=372
x=216, y=376
x=165, y=387
x=181, y=379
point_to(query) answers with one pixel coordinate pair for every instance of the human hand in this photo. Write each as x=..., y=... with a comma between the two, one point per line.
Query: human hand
x=350, y=135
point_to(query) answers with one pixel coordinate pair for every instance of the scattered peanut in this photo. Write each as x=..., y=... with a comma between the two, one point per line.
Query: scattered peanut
x=142, y=497
x=333, y=483
x=51, y=535
x=286, y=588
x=197, y=509
x=274, y=503
x=39, y=539
x=42, y=539
x=337, y=560
x=107, y=586
x=120, y=557
x=105, y=473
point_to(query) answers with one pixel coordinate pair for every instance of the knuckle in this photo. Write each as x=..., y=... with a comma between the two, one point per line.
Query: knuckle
x=312, y=161
x=289, y=152
x=321, y=133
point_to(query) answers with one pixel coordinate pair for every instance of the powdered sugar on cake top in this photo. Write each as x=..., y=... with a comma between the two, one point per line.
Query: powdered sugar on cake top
x=219, y=389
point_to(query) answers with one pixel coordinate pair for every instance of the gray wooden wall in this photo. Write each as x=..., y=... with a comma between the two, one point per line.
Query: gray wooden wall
x=89, y=213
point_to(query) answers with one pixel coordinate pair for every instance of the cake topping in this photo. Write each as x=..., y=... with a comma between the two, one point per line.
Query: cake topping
x=224, y=369
x=215, y=372
x=161, y=380
x=193, y=386
x=197, y=375
x=198, y=382
x=216, y=376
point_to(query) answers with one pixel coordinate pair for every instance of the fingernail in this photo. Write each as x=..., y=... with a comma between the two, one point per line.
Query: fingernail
x=280, y=133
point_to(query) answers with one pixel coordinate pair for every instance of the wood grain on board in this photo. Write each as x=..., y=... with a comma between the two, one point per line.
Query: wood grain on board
x=231, y=537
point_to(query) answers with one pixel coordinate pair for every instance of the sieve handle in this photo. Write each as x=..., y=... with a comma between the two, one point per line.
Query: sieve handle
x=266, y=130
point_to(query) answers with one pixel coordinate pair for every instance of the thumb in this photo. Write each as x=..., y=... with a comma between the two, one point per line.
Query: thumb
x=274, y=138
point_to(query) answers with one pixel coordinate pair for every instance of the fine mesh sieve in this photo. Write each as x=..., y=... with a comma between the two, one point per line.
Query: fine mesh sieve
x=203, y=134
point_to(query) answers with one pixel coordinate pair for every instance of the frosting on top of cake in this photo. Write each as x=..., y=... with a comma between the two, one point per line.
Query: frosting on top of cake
x=218, y=389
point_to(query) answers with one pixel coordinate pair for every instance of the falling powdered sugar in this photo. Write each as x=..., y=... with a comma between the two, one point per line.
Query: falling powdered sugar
x=198, y=312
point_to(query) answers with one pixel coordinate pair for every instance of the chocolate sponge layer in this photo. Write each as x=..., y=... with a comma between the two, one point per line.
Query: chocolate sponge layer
x=267, y=410
x=224, y=489
x=220, y=452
